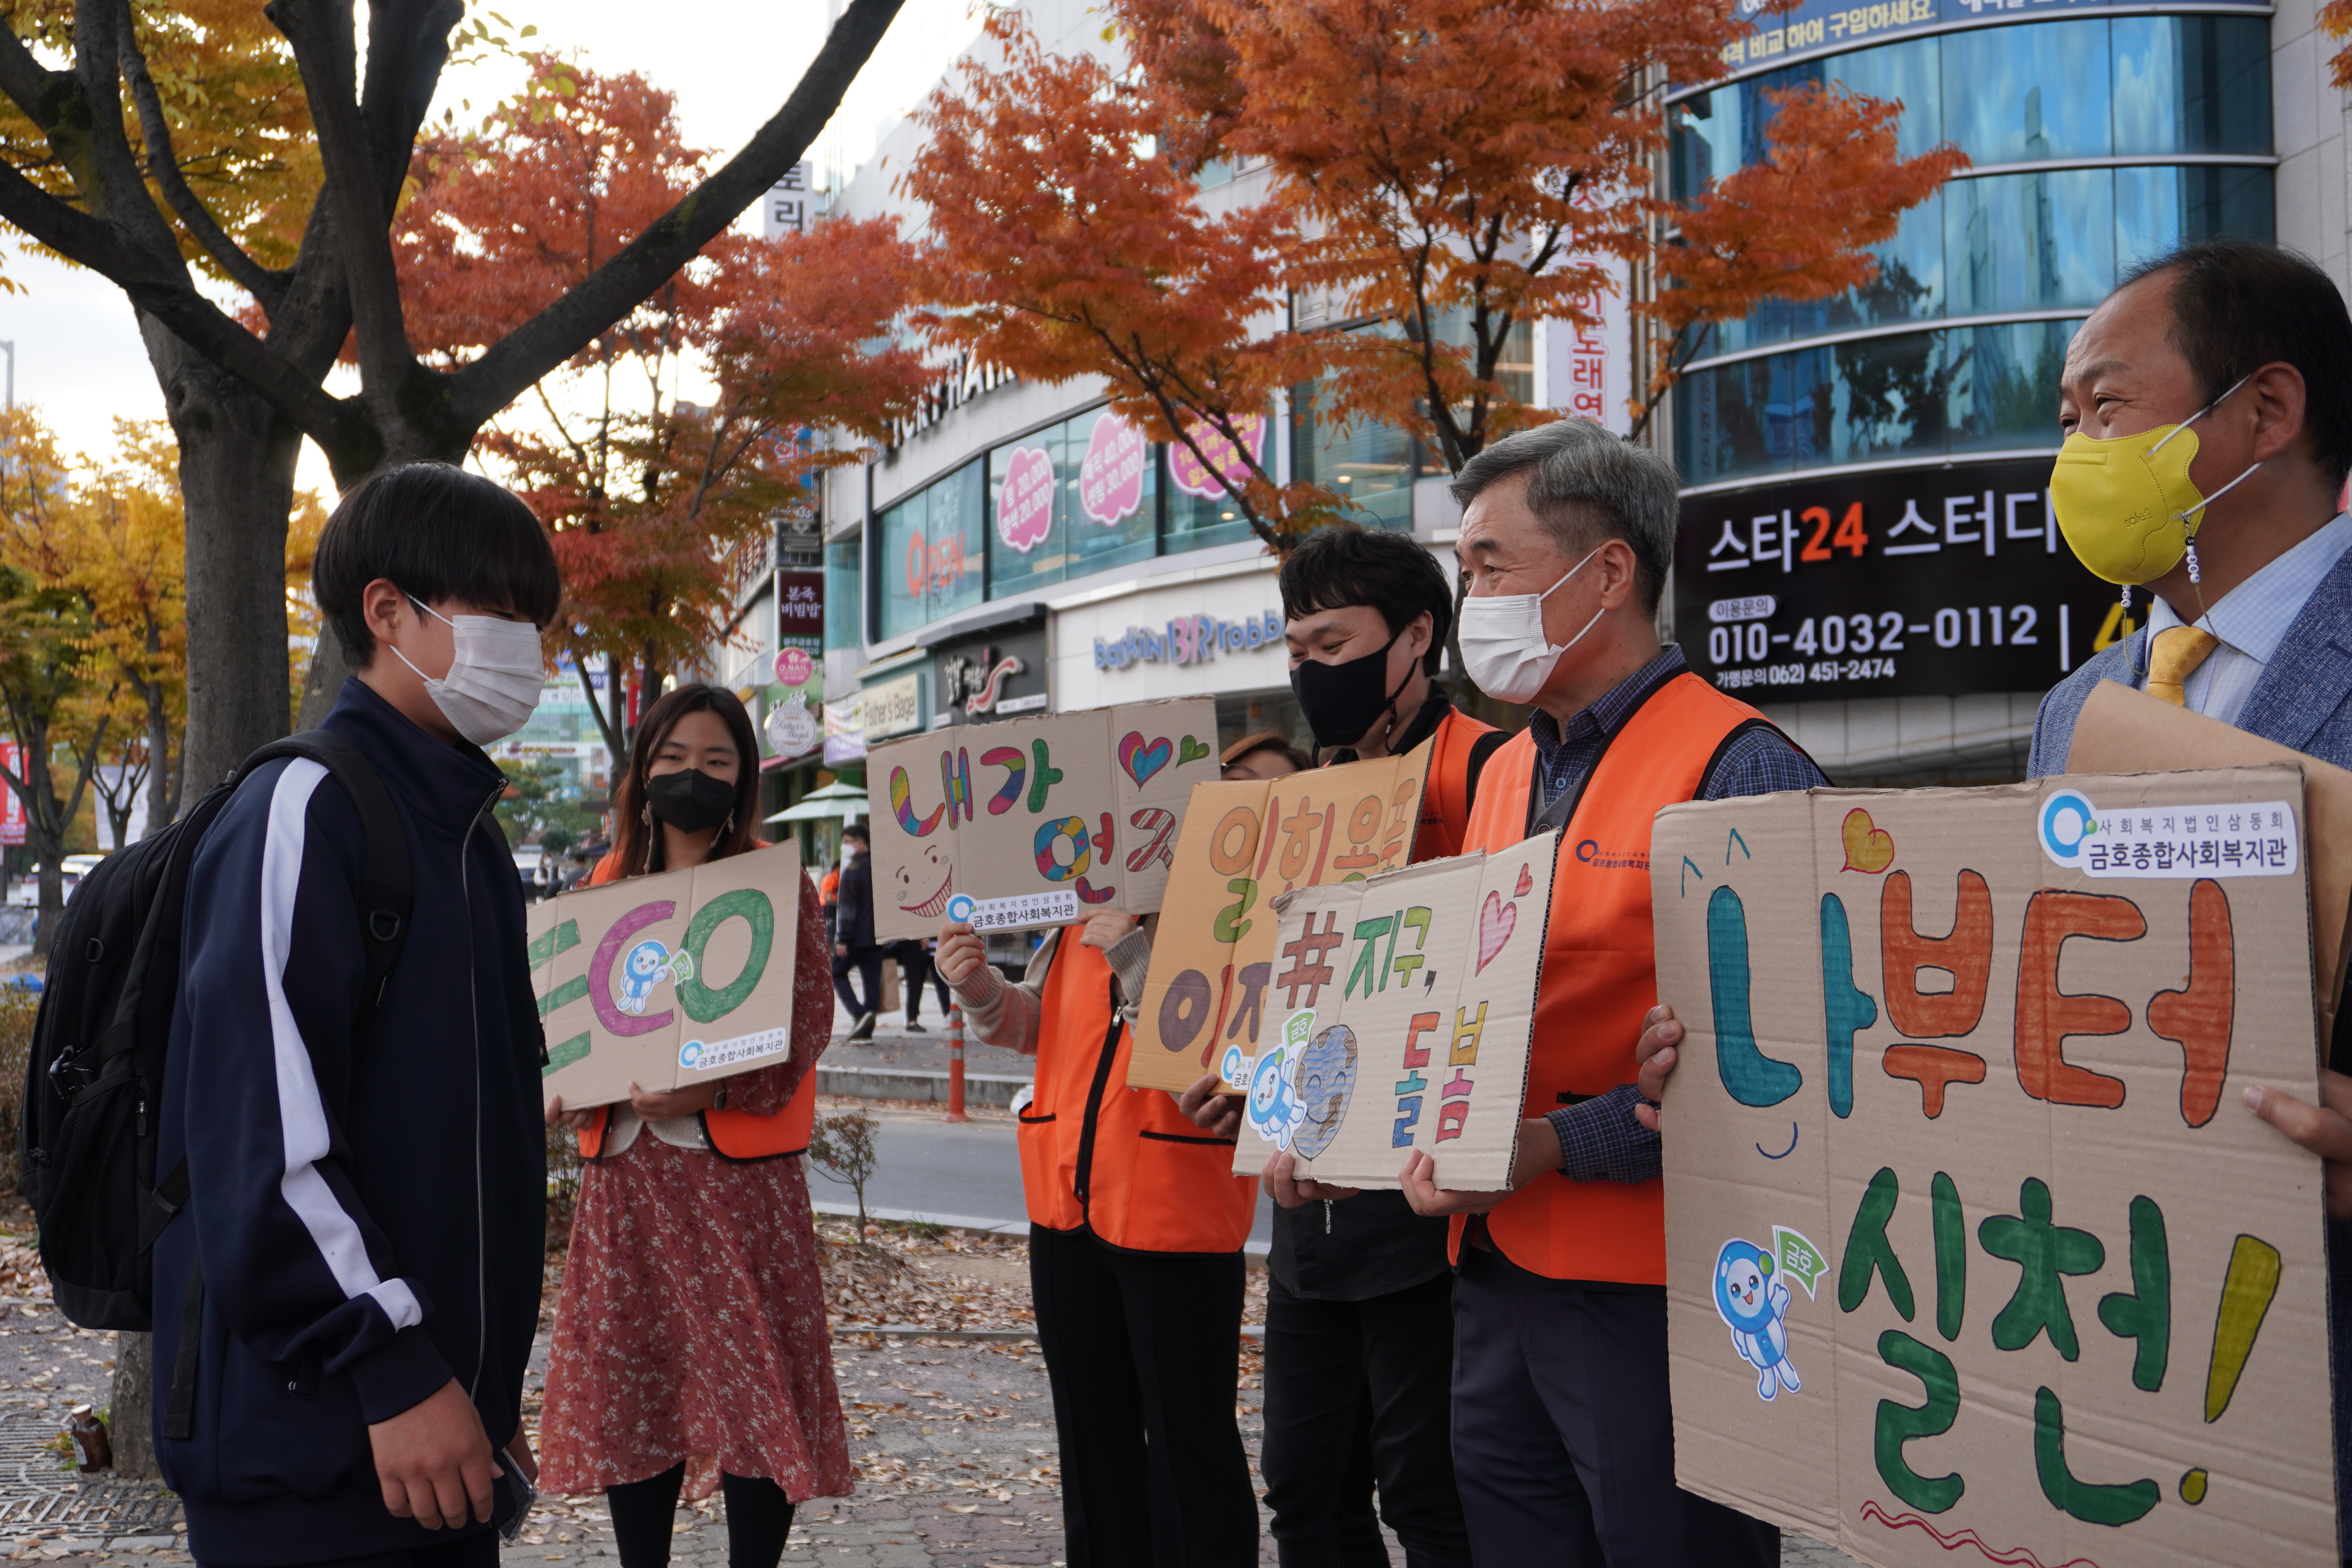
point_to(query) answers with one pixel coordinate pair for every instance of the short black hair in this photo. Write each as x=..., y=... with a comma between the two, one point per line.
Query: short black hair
x=1344, y=566
x=441, y=533
x=857, y=831
x=2239, y=305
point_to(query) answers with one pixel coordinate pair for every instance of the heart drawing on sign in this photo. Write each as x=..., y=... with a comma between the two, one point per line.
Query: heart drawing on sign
x=1141, y=761
x=1869, y=848
x=1526, y=883
x=1495, y=921
x=1191, y=751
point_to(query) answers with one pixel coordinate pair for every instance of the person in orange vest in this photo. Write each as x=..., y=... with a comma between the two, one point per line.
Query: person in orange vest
x=1136, y=1226
x=668, y=1349
x=1563, y=1430
x=1358, y=1316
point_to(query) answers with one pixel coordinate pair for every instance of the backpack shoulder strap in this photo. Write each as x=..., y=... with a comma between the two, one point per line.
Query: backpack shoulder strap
x=387, y=893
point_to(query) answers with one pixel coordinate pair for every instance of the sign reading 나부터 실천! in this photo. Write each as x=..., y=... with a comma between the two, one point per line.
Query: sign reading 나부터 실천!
x=667, y=980
x=1035, y=821
x=1971, y=1241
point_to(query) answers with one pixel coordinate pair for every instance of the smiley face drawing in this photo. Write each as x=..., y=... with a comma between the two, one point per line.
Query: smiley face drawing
x=647, y=962
x=926, y=882
x=1327, y=1080
x=1756, y=1306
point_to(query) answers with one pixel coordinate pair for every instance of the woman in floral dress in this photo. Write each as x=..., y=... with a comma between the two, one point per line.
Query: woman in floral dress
x=691, y=1332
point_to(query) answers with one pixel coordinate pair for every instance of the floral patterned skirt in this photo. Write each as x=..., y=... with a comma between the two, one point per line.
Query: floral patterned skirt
x=692, y=1327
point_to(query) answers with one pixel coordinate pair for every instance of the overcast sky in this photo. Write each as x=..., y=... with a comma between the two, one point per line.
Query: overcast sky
x=730, y=62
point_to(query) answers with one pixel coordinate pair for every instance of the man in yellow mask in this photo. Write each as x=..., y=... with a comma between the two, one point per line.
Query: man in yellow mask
x=2207, y=405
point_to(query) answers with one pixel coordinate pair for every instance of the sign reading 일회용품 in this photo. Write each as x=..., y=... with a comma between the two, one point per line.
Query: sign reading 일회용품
x=670, y=979
x=1905, y=581
x=1973, y=1247
x=1035, y=821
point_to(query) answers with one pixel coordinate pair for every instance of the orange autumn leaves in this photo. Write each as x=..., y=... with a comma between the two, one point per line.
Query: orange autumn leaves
x=644, y=492
x=1439, y=172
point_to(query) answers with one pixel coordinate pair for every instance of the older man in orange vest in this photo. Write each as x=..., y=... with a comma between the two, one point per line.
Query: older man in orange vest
x=1563, y=1436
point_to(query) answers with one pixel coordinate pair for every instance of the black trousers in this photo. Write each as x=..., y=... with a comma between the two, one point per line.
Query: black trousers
x=1563, y=1434
x=868, y=962
x=915, y=967
x=1359, y=1392
x=479, y=1550
x=1144, y=1351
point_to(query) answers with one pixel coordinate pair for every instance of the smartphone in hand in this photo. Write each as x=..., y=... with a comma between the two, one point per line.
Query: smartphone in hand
x=524, y=1493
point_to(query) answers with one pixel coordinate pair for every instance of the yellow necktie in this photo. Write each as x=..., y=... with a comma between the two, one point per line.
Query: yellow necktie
x=2174, y=658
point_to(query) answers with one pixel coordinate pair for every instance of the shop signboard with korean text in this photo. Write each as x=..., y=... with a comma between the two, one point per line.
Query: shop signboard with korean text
x=1401, y=1011
x=668, y=980
x=1820, y=27
x=1242, y=845
x=1899, y=582
x=799, y=633
x=1974, y=1250
x=1034, y=822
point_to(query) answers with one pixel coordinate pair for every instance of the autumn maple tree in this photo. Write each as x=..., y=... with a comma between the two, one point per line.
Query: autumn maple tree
x=642, y=490
x=1440, y=170
x=263, y=147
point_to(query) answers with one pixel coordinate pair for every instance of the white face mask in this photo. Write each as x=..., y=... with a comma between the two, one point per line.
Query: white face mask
x=494, y=681
x=1503, y=647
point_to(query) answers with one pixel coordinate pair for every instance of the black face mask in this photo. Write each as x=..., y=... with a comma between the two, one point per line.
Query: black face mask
x=1343, y=701
x=690, y=800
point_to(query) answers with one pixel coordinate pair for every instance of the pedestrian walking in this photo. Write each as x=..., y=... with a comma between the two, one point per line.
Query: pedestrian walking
x=691, y=1327
x=853, y=947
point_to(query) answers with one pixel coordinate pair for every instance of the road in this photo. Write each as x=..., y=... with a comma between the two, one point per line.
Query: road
x=932, y=1167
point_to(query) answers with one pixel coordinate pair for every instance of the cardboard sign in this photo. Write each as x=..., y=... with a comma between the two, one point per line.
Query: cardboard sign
x=1243, y=844
x=1035, y=821
x=667, y=980
x=1402, y=1007
x=1971, y=1242
x=2122, y=731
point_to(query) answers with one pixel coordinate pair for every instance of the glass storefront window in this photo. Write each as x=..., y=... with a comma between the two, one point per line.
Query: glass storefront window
x=1199, y=513
x=929, y=552
x=1371, y=465
x=2030, y=242
x=2191, y=84
x=2027, y=95
x=1913, y=394
x=845, y=595
x=1075, y=498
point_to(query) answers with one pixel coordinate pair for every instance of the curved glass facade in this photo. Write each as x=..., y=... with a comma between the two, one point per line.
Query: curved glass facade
x=2050, y=212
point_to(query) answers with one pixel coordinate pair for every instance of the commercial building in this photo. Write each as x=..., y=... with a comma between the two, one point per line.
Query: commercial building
x=1867, y=550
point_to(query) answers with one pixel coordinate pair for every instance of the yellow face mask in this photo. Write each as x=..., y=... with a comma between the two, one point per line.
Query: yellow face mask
x=2127, y=505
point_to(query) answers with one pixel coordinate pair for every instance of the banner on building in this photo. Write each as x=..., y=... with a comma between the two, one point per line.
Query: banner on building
x=1038, y=823
x=1402, y=1007
x=1971, y=1241
x=12, y=804
x=1240, y=846
x=668, y=980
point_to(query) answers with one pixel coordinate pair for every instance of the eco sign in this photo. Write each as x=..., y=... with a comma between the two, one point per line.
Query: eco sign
x=1038, y=821
x=1243, y=844
x=1971, y=1242
x=667, y=980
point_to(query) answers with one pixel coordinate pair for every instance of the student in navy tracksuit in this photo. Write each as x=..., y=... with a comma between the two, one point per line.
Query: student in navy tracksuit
x=366, y=1190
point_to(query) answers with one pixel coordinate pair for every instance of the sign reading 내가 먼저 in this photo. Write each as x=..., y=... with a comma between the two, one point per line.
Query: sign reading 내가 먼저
x=1402, y=1008
x=1974, y=1251
x=667, y=980
x=1034, y=822
x=1243, y=844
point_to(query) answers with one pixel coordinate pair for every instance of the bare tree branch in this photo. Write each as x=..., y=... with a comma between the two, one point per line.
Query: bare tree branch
x=26, y=80
x=609, y=293
x=163, y=167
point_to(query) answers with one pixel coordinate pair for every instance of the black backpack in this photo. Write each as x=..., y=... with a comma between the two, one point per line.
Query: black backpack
x=95, y=1080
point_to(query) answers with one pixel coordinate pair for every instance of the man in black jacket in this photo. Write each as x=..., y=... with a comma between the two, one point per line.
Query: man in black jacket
x=350, y=1292
x=853, y=934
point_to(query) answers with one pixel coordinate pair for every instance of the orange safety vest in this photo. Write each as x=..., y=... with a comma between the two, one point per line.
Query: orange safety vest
x=1599, y=973
x=1122, y=1162
x=1445, y=800
x=734, y=1135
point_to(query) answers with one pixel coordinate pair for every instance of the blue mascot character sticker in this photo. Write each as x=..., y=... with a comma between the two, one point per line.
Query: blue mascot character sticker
x=1755, y=1305
x=650, y=962
x=1271, y=1104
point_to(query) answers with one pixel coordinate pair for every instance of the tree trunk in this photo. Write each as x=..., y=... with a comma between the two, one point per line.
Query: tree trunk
x=128, y=1414
x=163, y=803
x=236, y=475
